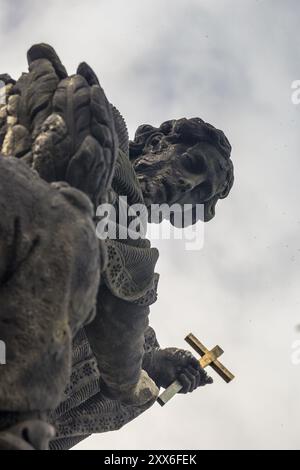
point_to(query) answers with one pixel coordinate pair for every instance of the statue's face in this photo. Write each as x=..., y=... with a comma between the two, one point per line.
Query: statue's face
x=181, y=173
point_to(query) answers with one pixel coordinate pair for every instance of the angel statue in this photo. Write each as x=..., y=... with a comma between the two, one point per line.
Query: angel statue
x=81, y=357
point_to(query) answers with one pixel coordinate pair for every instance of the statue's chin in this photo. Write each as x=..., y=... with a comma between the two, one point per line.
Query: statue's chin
x=210, y=209
x=188, y=218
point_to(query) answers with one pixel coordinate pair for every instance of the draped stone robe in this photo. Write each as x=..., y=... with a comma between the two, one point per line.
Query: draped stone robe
x=129, y=276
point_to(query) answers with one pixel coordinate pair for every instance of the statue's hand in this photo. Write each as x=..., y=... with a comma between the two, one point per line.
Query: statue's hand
x=166, y=365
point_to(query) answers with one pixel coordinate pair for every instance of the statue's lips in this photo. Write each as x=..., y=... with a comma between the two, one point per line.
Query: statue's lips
x=166, y=194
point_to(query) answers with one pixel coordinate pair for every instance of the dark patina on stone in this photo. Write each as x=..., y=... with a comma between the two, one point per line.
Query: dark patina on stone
x=81, y=356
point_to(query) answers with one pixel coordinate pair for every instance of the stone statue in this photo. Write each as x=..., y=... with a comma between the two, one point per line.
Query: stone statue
x=81, y=356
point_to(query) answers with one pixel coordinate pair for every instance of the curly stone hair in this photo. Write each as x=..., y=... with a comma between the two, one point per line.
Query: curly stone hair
x=190, y=131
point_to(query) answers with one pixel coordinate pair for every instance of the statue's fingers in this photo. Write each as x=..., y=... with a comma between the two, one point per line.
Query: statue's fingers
x=202, y=378
x=185, y=382
x=198, y=379
x=195, y=363
x=199, y=370
x=184, y=357
x=192, y=379
x=206, y=380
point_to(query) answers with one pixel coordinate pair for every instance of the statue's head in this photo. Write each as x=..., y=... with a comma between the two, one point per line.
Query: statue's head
x=184, y=161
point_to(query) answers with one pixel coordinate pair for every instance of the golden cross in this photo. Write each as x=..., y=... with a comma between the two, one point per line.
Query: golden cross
x=208, y=358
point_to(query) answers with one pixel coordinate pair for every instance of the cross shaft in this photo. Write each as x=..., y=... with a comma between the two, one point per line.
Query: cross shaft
x=208, y=358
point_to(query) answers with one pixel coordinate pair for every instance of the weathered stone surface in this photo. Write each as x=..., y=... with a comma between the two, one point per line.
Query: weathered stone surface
x=72, y=153
x=49, y=275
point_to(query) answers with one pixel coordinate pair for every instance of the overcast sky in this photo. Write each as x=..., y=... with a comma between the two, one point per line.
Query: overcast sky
x=232, y=64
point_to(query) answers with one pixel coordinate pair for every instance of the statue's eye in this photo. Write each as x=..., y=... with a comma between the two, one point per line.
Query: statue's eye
x=193, y=164
x=155, y=140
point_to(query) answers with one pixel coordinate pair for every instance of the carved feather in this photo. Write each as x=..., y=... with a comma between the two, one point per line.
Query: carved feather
x=122, y=130
x=87, y=72
x=63, y=126
x=72, y=102
x=44, y=51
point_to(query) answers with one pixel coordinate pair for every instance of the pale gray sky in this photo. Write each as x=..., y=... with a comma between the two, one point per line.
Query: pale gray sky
x=232, y=64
